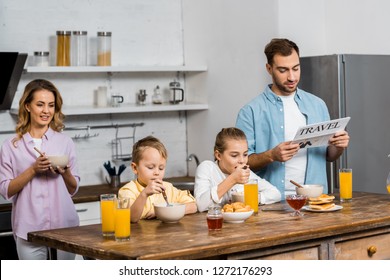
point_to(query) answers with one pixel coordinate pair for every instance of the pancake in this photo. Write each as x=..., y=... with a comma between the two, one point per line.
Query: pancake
x=325, y=206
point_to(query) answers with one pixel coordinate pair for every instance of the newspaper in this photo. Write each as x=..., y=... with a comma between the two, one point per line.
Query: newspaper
x=318, y=134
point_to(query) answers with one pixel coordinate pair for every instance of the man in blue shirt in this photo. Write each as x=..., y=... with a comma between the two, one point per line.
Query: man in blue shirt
x=272, y=118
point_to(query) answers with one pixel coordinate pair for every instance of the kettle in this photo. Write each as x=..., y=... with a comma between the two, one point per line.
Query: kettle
x=176, y=94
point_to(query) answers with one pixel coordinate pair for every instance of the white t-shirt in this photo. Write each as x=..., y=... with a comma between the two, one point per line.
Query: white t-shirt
x=38, y=144
x=207, y=178
x=295, y=167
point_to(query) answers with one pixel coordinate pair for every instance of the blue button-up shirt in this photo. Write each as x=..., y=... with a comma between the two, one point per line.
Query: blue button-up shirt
x=262, y=120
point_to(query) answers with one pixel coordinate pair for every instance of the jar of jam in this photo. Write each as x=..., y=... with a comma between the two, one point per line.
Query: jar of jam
x=214, y=217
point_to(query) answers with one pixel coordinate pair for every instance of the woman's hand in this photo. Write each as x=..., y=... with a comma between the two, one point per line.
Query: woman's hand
x=41, y=165
x=59, y=170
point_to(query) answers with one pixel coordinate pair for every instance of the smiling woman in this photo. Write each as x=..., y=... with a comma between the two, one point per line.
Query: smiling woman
x=27, y=175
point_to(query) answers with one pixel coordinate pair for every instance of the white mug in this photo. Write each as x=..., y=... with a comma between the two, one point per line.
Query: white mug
x=116, y=100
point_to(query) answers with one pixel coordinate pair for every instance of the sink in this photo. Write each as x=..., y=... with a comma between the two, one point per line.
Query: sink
x=182, y=183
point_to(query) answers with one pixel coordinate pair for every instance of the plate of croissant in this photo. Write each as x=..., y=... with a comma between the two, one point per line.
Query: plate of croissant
x=236, y=212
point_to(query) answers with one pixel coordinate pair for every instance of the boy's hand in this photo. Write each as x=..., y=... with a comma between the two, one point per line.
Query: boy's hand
x=154, y=186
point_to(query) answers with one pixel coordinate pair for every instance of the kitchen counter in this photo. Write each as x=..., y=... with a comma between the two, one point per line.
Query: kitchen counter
x=92, y=193
x=361, y=230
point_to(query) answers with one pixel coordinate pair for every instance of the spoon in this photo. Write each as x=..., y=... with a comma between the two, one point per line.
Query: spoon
x=36, y=149
x=166, y=198
x=296, y=184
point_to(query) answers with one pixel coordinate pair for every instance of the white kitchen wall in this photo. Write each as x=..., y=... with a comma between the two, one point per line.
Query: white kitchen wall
x=336, y=26
x=229, y=36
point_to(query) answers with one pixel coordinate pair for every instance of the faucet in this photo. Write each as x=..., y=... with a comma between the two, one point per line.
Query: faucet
x=193, y=156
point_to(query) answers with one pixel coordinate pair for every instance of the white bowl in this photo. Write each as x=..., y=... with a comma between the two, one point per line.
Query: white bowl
x=169, y=214
x=236, y=217
x=310, y=190
x=60, y=161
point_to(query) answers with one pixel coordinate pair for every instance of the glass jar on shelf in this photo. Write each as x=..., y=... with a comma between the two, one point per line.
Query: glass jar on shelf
x=79, y=48
x=104, y=49
x=41, y=59
x=63, y=48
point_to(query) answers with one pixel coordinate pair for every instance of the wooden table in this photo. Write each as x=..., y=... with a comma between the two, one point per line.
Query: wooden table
x=361, y=230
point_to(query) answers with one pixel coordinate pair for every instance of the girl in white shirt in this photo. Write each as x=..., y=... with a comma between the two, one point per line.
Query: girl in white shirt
x=216, y=181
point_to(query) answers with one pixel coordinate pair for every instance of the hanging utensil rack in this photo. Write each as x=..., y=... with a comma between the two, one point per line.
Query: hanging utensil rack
x=88, y=128
x=117, y=146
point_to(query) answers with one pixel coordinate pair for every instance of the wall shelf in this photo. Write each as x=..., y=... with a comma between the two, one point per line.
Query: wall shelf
x=124, y=108
x=129, y=108
x=101, y=69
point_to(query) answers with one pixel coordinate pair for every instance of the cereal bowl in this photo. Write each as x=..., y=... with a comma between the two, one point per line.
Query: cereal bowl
x=236, y=217
x=170, y=214
x=310, y=190
x=61, y=161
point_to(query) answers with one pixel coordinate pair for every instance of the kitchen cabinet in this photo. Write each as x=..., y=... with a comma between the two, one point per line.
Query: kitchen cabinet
x=375, y=246
x=126, y=108
x=89, y=212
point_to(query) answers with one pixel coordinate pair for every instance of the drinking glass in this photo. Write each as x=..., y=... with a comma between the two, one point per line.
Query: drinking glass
x=107, y=206
x=251, y=196
x=388, y=183
x=122, y=219
x=296, y=202
x=345, y=184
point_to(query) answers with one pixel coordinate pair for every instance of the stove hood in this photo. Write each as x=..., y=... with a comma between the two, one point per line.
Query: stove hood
x=11, y=66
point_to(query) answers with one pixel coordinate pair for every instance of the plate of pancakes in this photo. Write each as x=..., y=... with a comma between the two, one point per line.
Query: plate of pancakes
x=322, y=203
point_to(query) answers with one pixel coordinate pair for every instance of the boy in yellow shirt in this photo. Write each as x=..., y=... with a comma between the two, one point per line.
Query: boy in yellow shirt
x=148, y=164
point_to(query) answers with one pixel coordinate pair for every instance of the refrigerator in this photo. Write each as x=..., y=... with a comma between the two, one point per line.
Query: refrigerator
x=357, y=86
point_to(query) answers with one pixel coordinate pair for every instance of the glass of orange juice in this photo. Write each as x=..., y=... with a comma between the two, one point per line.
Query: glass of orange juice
x=251, y=196
x=107, y=207
x=122, y=219
x=345, y=184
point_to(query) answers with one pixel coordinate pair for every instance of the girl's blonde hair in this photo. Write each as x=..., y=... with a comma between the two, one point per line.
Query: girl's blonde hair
x=24, y=121
x=148, y=142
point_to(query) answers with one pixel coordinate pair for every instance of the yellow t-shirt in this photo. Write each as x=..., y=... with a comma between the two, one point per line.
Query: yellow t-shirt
x=133, y=190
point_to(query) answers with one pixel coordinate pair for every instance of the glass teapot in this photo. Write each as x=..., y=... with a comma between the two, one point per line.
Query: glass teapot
x=176, y=93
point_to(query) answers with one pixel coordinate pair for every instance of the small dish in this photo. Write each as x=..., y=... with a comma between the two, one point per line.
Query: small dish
x=335, y=208
x=236, y=217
